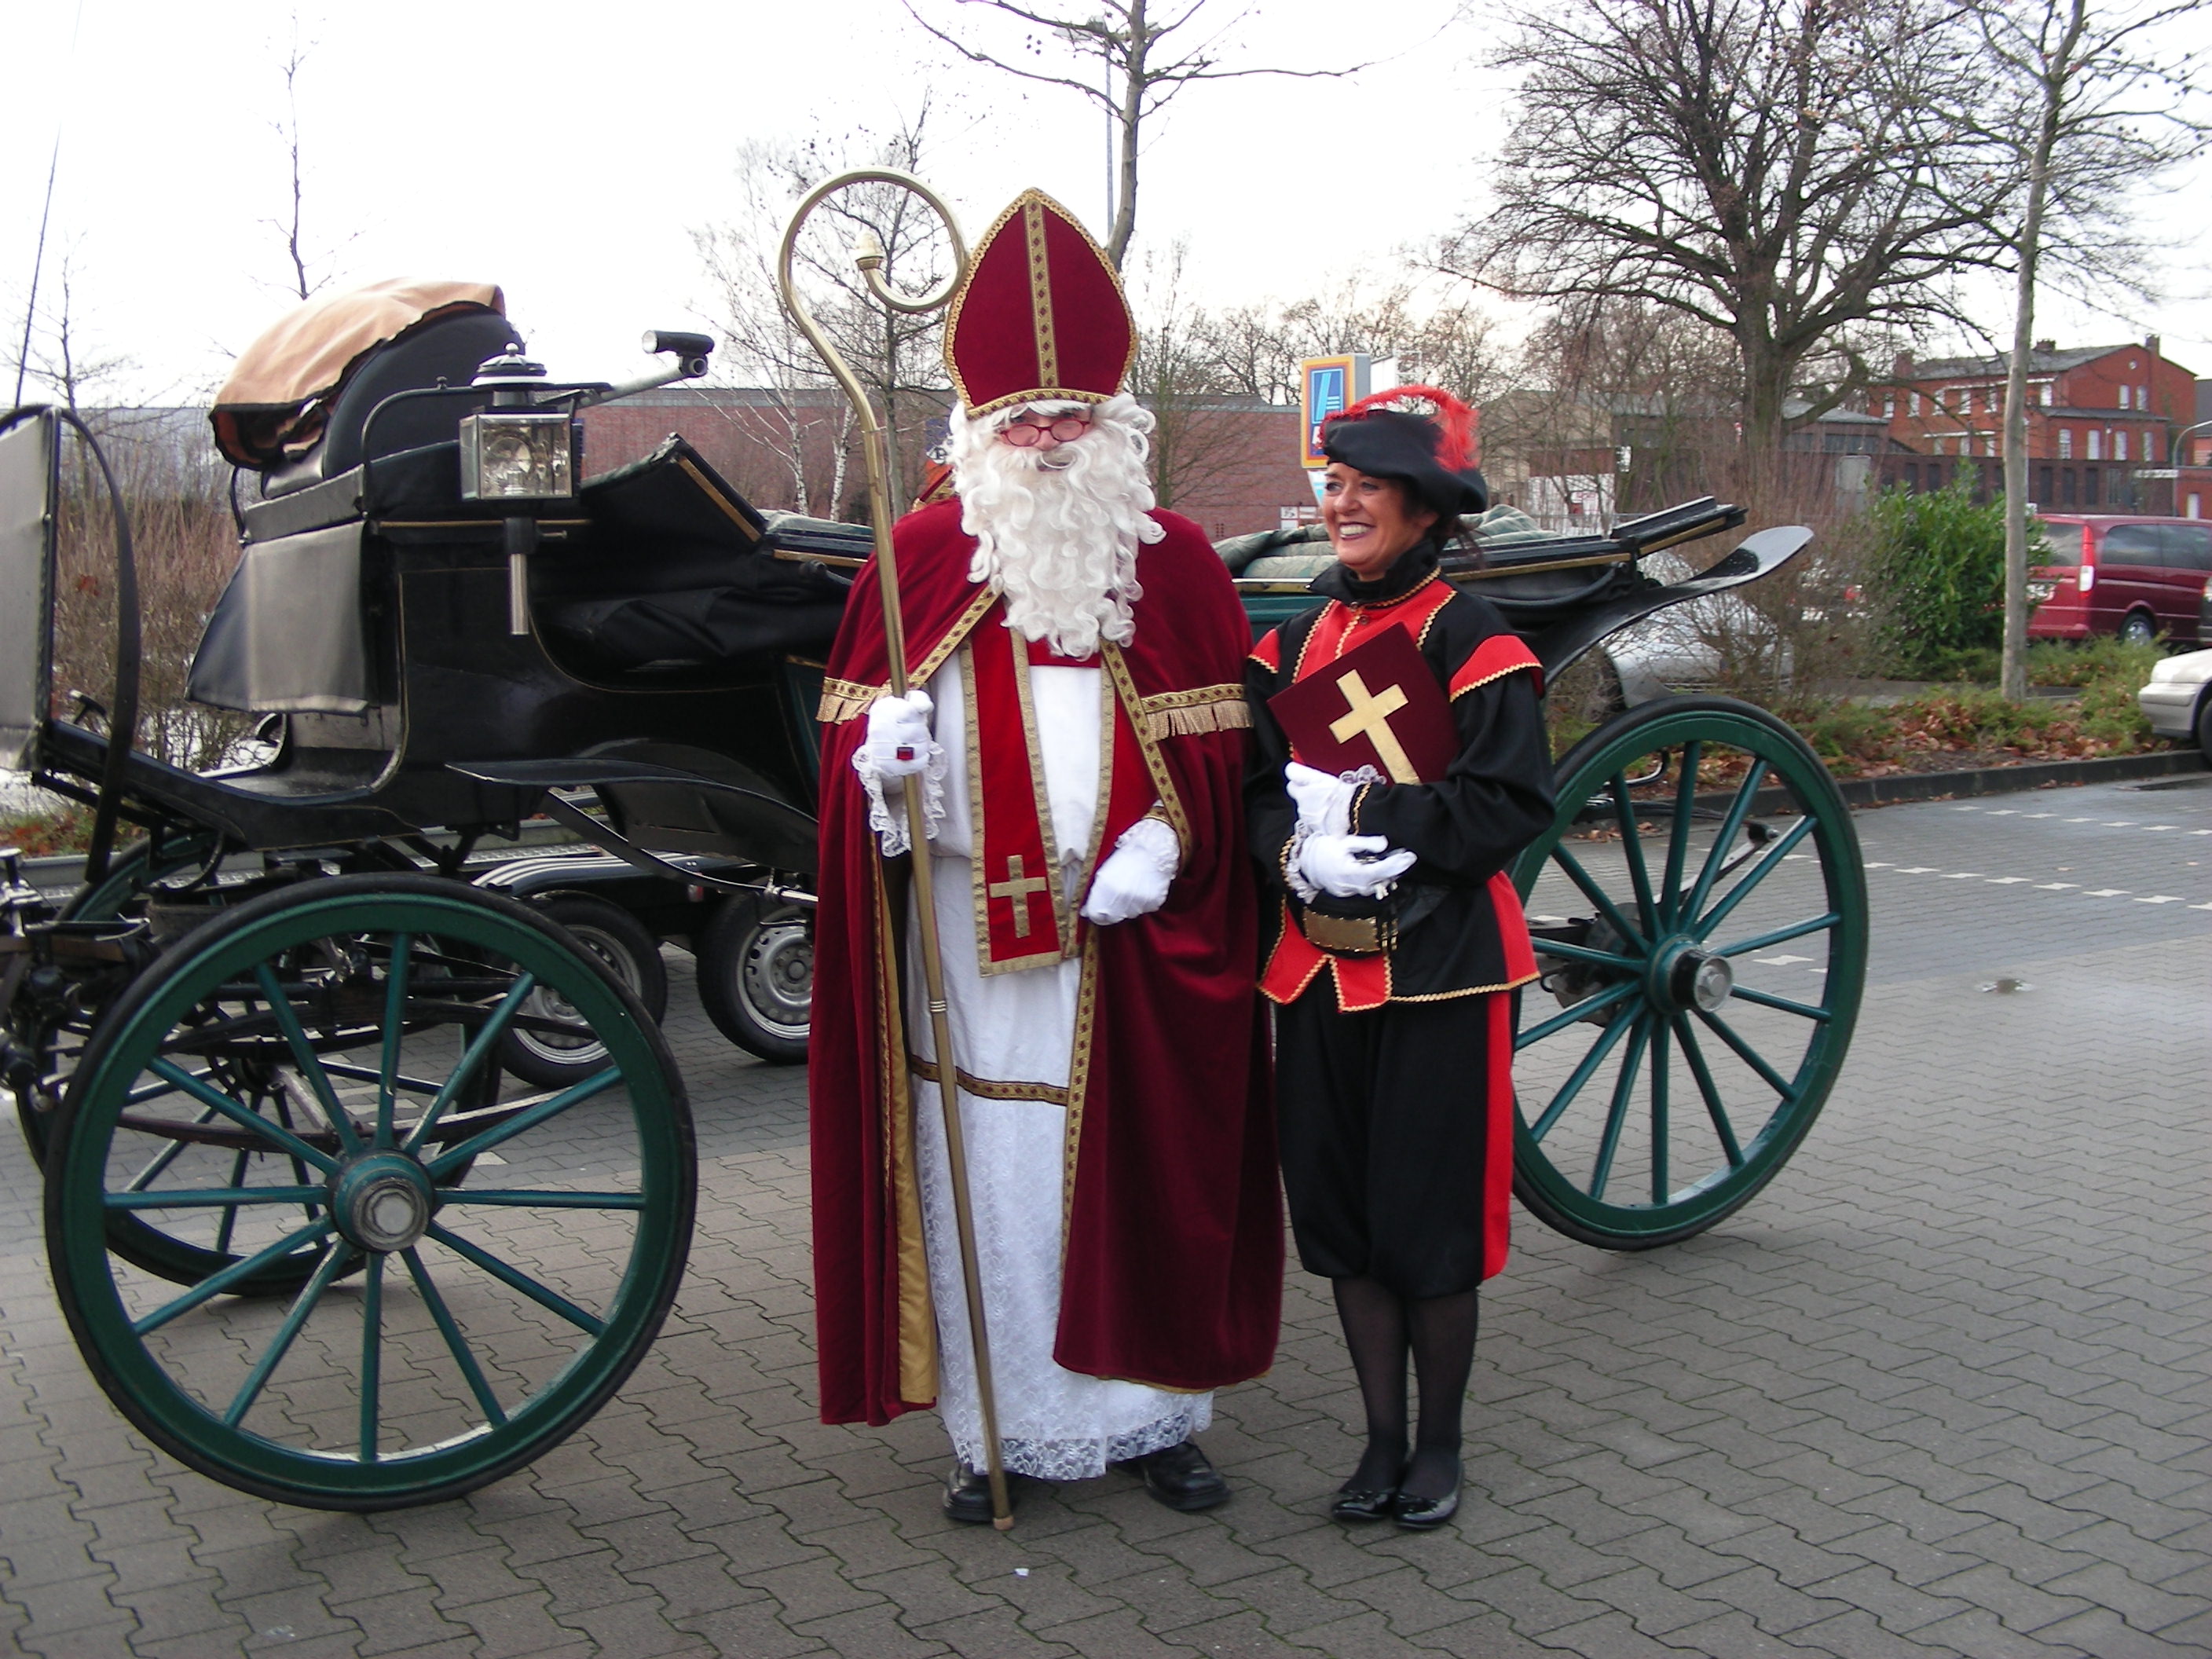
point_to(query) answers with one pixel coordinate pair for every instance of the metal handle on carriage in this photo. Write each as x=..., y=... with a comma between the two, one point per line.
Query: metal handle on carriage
x=870, y=258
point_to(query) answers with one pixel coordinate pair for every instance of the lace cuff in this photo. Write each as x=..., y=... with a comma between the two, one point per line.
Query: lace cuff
x=1294, y=875
x=888, y=825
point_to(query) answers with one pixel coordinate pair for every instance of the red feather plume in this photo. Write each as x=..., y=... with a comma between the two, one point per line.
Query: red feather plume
x=1454, y=420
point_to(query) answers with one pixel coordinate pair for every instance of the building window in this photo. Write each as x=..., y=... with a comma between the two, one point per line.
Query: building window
x=2096, y=446
x=2044, y=389
x=2043, y=483
x=2089, y=486
x=2066, y=444
x=2066, y=486
x=1889, y=407
x=2119, y=445
x=2142, y=397
x=2150, y=448
x=2124, y=396
x=2196, y=508
x=1916, y=402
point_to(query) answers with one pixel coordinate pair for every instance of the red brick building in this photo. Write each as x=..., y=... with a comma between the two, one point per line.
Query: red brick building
x=2097, y=415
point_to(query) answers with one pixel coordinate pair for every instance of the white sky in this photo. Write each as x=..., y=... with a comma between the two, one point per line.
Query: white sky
x=565, y=151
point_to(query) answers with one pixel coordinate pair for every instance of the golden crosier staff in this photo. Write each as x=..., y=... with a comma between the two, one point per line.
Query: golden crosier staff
x=869, y=257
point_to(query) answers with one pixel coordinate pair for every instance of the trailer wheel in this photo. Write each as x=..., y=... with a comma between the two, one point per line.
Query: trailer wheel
x=549, y=1045
x=757, y=976
x=1699, y=915
x=441, y=1336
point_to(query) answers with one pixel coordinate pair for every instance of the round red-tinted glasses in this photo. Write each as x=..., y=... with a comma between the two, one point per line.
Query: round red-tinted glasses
x=1066, y=428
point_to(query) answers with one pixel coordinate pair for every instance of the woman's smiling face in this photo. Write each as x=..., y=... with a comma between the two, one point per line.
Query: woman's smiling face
x=1368, y=520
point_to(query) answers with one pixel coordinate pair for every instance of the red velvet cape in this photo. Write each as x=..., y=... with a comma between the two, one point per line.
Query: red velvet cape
x=1172, y=1273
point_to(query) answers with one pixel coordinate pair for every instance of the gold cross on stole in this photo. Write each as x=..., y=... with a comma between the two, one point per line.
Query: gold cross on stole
x=1371, y=719
x=1021, y=891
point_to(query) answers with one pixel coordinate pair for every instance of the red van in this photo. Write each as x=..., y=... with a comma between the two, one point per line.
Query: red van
x=2137, y=577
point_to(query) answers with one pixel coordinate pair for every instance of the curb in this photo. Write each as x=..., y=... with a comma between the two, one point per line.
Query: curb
x=2008, y=779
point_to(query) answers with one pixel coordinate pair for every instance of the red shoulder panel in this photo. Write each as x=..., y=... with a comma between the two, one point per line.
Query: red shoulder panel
x=1269, y=653
x=1495, y=658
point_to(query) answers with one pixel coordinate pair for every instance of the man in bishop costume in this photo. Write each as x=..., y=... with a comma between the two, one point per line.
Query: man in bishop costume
x=1079, y=736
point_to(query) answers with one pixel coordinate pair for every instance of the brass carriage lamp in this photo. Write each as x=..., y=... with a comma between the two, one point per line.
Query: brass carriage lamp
x=516, y=455
x=516, y=451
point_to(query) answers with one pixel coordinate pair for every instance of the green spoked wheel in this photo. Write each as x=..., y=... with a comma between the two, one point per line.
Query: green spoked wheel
x=1700, y=920
x=440, y=1336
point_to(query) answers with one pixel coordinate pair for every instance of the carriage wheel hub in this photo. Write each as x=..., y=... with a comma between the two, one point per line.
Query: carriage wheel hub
x=1691, y=976
x=382, y=1201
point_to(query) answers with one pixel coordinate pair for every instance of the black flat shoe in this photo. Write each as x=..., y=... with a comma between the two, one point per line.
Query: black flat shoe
x=968, y=1495
x=1180, y=1477
x=1360, y=1504
x=1427, y=1514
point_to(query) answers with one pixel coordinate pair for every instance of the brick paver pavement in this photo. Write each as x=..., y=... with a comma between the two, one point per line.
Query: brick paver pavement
x=1940, y=1390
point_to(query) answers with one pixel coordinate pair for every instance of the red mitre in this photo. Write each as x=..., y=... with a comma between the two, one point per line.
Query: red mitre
x=1041, y=315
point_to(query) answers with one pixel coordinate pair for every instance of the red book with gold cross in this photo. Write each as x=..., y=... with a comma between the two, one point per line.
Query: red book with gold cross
x=1377, y=705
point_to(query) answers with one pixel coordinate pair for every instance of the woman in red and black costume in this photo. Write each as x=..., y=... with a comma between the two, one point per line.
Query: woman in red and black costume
x=1393, y=1066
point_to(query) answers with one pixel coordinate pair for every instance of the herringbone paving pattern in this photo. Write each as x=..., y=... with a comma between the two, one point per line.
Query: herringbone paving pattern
x=1940, y=1390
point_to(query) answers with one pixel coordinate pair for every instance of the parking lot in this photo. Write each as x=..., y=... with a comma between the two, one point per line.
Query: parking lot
x=1940, y=1390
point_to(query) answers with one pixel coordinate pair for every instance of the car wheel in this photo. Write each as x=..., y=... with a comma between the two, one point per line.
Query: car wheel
x=2204, y=726
x=757, y=976
x=2138, y=628
x=536, y=1048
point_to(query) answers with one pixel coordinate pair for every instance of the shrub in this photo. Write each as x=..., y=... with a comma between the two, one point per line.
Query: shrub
x=1938, y=571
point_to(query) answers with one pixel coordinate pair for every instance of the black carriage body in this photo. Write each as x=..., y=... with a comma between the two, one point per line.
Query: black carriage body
x=372, y=612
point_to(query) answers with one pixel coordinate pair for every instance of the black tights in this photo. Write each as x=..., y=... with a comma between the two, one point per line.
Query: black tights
x=1381, y=1327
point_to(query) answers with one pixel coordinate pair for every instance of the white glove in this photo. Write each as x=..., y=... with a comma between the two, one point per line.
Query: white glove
x=1323, y=800
x=899, y=740
x=1350, y=866
x=1134, y=880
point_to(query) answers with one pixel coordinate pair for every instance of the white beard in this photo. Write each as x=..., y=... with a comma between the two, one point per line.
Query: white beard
x=1057, y=535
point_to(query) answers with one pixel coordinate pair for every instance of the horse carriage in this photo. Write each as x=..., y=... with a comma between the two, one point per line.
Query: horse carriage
x=366, y=1183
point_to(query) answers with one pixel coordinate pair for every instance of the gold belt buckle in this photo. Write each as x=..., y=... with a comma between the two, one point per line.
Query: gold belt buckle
x=1348, y=936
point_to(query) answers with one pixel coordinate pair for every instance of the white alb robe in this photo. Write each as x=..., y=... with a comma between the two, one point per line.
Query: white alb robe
x=1015, y=1029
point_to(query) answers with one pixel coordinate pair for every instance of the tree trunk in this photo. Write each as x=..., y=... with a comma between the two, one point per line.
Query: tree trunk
x=2057, y=74
x=1129, y=117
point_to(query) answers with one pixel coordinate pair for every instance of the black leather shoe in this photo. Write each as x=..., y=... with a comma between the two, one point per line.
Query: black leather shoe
x=1361, y=1504
x=968, y=1495
x=1427, y=1514
x=1180, y=1477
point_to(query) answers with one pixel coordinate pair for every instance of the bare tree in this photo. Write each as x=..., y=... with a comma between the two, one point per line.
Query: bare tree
x=1768, y=167
x=291, y=226
x=897, y=357
x=1137, y=70
x=1258, y=348
x=1200, y=437
x=2089, y=108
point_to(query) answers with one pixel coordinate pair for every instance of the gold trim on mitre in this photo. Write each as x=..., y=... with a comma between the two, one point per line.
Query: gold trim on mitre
x=1031, y=205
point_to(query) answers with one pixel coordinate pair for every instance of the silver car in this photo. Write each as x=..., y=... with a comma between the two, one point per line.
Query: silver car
x=2178, y=701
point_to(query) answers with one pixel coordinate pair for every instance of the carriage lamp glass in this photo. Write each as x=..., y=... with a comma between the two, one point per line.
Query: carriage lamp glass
x=514, y=455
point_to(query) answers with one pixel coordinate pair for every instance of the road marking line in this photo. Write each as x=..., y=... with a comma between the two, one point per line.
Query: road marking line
x=1962, y=875
x=2039, y=815
x=2081, y=820
x=1781, y=960
x=1877, y=863
x=2005, y=881
x=2156, y=827
x=2104, y=892
x=1914, y=869
x=2055, y=886
x=2005, y=813
x=2200, y=907
x=2160, y=898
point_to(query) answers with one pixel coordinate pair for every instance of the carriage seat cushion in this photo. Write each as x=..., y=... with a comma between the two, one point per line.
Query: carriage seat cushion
x=763, y=611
